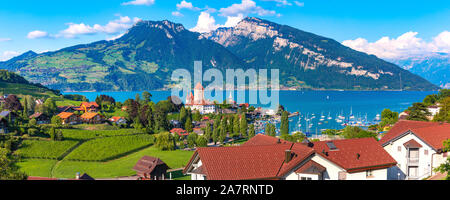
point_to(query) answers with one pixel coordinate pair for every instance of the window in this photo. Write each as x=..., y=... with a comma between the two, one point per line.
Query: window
x=305, y=178
x=425, y=152
x=369, y=173
x=399, y=148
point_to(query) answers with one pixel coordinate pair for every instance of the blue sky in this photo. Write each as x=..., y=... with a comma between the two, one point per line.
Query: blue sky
x=48, y=25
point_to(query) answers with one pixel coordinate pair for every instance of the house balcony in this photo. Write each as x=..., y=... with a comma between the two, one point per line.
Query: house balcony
x=413, y=161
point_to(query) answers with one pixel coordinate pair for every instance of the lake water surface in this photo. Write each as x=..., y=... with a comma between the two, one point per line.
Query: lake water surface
x=314, y=103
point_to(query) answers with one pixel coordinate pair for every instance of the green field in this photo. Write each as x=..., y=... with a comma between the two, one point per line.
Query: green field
x=86, y=150
x=37, y=167
x=79, y=134
x=45, y=149
x=108, y=148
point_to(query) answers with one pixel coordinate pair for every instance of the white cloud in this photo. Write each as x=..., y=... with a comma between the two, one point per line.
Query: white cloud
x=205, y=23
x=37, y=34
x=281, y=2
x=406, y=45
x=112, y=27
x=115, y=37
x=186, y=5
x=5, y=39
x=301, y=4
x=177, y=14
x=244, y=8
x=6, y=55
x=140, y=2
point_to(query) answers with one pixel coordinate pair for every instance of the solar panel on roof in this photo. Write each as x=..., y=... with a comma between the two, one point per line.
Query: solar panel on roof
x=331, y=146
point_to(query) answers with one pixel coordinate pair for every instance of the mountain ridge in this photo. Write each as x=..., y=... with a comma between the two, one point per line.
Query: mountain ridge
x=144, y=56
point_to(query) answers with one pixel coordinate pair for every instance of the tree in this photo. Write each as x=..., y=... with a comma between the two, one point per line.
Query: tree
x=236, y=128
x=56, y=120
x=445, y=167
x=59, y=136
x=52, y=133
x=430, y=99
x=243, y=125
x=202, y=141
x=183, y=115
x=49, y=107
x=208, y=131
x=146, y=97
x=192, y=139
x=357, y=132
x=196, y=116
x=165, y=142
x=444, y=113
x=137, y=98
x=270, y=130
x=418, y=112
x=12, y=103
x=8, y=168
x=222, y=134
x=32, y=122
x=188, y=125
x=388, y=117
x=280, y=109
x=251, y=131
x=216, y=135
x=25, y=108
x=284, y=126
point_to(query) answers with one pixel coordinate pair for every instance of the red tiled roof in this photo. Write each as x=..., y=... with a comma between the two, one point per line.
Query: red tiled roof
x=250, y=162
x=35, y=178
x=412, y=144
x=355, y=154
x=35, y=115
x=89, y=104
x=88, y=115
x=261, y=139
x=65, y=115
x=311, y=167
x=115, y=118
x=433, y=133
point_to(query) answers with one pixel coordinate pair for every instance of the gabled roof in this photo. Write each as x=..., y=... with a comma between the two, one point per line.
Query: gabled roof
x=412, y=144
x=65, y=115
x=261, y=139
x=355, y=154
x=89, y=104
x=36, y=115
x=116, y=118
x=311, y=167
x=89, y=115
x=432, y=133
x=147, y=164
x=249, y=162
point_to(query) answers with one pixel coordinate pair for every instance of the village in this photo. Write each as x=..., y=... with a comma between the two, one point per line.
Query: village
x=206, y=140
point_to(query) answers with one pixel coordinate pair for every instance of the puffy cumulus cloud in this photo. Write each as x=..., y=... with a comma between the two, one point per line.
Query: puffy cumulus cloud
x=37, y=34
x=207, y=23
x=139, y=2
x=244, y=8
x=6, y=55
x=406, y=45
x=186, y=5
x=112, y=27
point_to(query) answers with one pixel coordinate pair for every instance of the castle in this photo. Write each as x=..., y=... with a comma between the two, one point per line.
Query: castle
x=198, y=102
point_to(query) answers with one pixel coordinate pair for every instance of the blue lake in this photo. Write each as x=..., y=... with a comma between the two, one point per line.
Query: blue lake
x=327, y=103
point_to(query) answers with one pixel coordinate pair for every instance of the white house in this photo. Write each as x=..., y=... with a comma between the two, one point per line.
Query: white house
x=265, y=157
x=417, y=147
x=434, y=110
x=198, y=102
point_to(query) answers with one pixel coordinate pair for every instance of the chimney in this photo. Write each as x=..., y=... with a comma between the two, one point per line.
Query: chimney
x=287, y=156
x=358, y=156
x=77, y=176
x=279, y=141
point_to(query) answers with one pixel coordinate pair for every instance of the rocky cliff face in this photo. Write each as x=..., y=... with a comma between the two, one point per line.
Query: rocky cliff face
x=309, y=60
